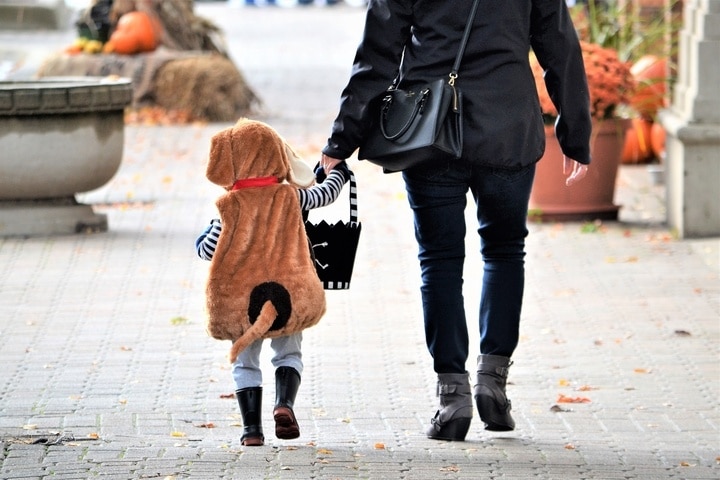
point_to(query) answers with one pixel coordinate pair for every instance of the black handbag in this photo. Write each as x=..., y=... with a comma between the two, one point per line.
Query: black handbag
x=333, y=247
x=418, y=124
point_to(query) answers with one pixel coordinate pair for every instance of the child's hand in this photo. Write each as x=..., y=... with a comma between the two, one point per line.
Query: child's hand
x=341, y=167
x=319, y=173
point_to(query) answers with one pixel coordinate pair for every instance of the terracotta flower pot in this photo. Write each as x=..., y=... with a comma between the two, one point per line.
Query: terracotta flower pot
x=590, y=199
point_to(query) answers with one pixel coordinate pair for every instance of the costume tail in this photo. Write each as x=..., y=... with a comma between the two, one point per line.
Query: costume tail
x=264, y=321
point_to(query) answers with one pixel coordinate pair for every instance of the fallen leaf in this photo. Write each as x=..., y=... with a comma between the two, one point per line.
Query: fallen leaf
x=178, y=434
x=151, y=116
x=125, y=348
x=586, y=388
x=641, y=370
x=93, y=435
x=324, y=451
x=559, y=409
x=569, y=446
x=206, y=425
x=565, y=399
x=379, y=446
x=683, y=333
x=178, y=321
x=563, y=383
x=591, y=227
x=450, y=468
x=30, y=426
x=227, y=395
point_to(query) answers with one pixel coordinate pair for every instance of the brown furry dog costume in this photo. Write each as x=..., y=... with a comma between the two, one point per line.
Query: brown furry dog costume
x=262, y=281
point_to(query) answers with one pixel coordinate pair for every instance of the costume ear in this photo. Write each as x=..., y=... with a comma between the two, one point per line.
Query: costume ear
x=299, y=173
x=220, y=167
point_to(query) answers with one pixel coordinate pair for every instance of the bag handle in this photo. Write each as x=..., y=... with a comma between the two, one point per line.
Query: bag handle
x=419, y=105
x=353, y=200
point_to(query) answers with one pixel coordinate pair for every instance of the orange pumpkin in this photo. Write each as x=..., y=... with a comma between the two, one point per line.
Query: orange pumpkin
x=650, y=73
x=657, y=140
x=135, y=32
x=637, y=148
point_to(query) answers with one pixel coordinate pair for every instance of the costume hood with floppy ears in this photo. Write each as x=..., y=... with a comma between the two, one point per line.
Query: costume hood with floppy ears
x=262, y=282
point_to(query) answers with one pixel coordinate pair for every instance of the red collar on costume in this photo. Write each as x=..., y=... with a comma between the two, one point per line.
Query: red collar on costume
x=254, y=182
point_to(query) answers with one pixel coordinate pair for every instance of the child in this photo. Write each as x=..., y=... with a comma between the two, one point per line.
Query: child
x=287, y=355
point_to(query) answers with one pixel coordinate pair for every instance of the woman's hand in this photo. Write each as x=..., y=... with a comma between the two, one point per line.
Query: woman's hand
x=328, y=163
x=575, y=170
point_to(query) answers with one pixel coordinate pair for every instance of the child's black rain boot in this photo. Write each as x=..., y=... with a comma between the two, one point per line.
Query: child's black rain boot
x=287, y=382
x=250, y=401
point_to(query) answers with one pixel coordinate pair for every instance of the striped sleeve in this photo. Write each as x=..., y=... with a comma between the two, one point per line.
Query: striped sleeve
x=207, y=241
x=324, y=193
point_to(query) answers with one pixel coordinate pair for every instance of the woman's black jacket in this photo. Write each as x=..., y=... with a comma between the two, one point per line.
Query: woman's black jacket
x=503, y=125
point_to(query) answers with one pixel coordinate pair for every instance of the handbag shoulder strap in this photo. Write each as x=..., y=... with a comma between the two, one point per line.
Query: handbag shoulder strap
x=463, y=42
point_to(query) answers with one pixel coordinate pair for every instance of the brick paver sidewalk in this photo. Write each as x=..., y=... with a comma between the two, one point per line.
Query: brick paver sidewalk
x=108, y=372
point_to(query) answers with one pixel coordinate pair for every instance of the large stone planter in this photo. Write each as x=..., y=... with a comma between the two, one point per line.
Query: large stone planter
x=58, y=137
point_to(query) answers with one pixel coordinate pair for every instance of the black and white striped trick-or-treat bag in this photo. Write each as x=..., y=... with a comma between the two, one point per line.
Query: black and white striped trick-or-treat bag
x=334, y=246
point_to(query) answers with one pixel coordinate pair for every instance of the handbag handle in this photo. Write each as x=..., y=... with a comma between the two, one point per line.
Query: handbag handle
x=419, y=105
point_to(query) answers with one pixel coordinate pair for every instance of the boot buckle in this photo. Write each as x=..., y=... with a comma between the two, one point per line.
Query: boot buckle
x=444, y=389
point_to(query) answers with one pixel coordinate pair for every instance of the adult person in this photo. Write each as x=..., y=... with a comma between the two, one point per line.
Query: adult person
x=503, y=139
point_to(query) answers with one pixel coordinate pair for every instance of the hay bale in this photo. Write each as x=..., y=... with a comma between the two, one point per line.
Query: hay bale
x=141, y=68
x=208, y=87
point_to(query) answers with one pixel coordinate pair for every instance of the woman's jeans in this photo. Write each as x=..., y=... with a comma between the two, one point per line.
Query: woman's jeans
x=438, y=197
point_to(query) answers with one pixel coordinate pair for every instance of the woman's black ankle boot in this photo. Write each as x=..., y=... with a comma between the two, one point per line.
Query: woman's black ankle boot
x=250, y=401
x=452, y=420
x=492, y=402
x=287, y=382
